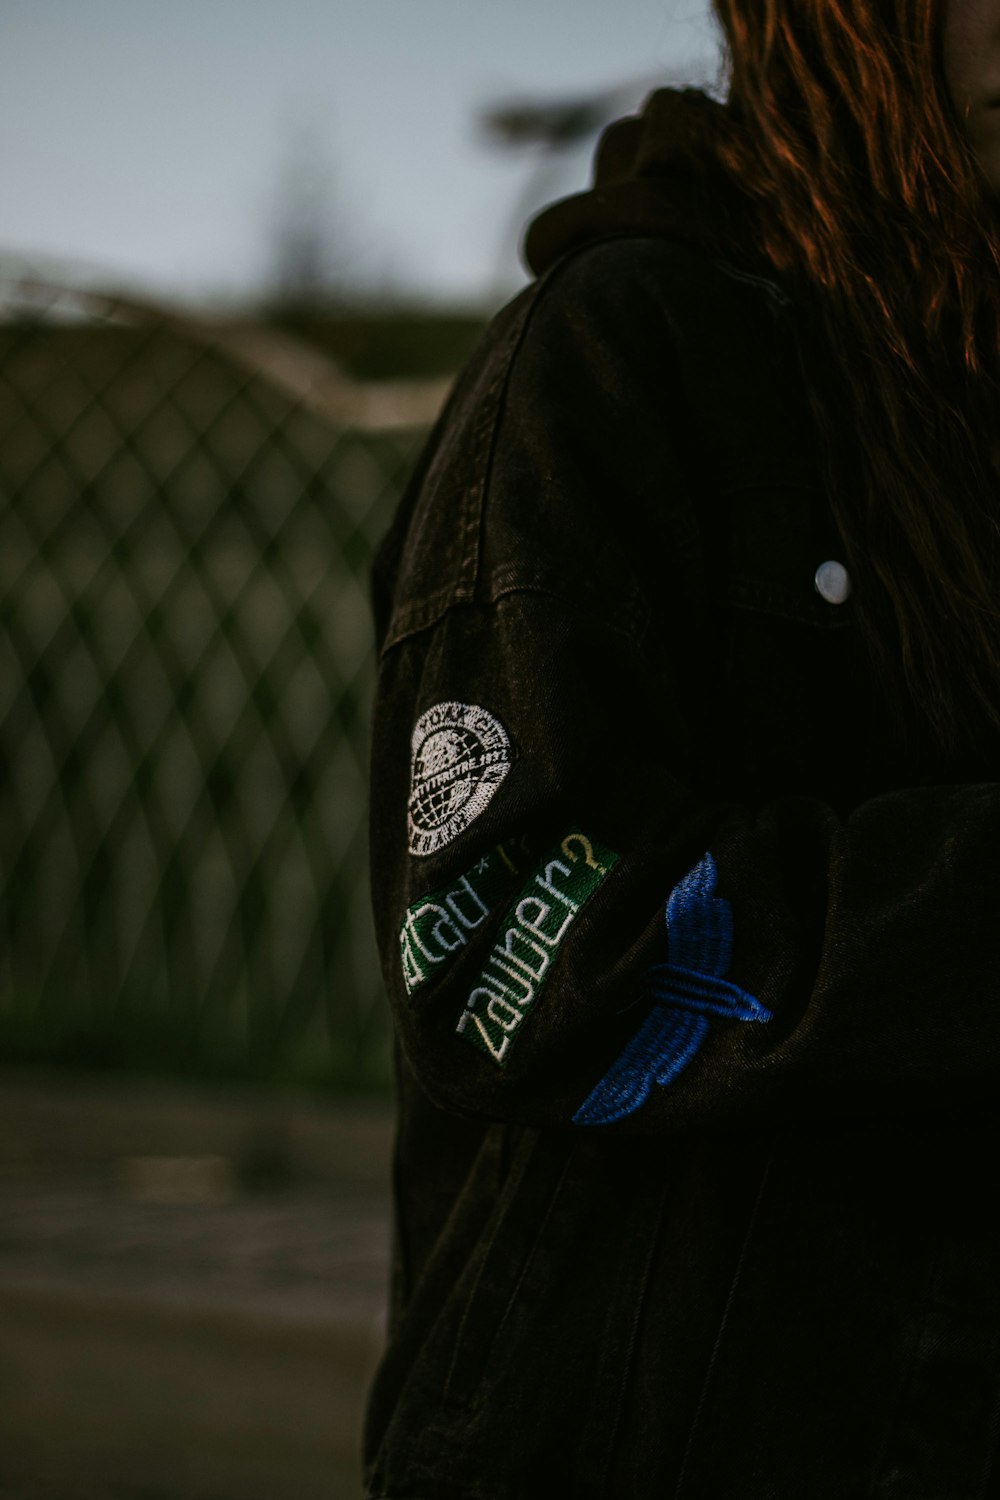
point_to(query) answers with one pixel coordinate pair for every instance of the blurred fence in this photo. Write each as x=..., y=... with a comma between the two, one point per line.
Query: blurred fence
x=187, y=514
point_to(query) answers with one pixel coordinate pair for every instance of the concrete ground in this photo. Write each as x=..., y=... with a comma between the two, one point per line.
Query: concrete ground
x=192, y=1285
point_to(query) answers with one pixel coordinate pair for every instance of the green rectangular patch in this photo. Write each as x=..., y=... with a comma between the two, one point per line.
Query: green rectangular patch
x=441, y=924
x=529, y=938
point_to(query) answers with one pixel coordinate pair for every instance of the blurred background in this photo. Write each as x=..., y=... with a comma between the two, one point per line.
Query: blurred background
x=244, y=247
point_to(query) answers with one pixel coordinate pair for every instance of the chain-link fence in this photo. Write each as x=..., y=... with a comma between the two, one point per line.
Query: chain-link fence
x=187, y=514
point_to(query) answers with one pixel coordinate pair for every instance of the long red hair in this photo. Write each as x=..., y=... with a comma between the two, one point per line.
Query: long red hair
x=869, y=198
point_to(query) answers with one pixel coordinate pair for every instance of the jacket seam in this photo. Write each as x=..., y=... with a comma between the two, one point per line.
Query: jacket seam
x=460, y=1334
x=487, y=422
x=501, y=387
x=908, y=1366
x=723, y=1326
x=442, y=602
x=654, y=1241
x=744, y=591
x=527, y=1263
x=485, y=439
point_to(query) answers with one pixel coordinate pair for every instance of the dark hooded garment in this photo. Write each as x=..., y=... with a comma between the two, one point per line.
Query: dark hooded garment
x=691, y=952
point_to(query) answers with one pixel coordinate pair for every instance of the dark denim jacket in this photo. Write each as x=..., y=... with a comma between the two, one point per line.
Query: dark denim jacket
x=692, y=962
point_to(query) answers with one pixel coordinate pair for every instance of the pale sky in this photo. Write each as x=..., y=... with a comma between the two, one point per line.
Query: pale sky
x=141, y=141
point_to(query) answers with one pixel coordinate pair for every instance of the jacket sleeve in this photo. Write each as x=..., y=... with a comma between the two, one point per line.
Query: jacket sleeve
x=573, y=937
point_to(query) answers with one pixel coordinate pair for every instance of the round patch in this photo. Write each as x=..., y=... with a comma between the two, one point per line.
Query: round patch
x=461, y=754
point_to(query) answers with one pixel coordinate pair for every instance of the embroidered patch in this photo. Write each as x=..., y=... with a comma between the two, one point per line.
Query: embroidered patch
x=442, y=923
x=529, y=938
x=461, y=754
x=687, y=990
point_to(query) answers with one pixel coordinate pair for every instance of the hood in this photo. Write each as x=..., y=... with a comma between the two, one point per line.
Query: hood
x=656, y=173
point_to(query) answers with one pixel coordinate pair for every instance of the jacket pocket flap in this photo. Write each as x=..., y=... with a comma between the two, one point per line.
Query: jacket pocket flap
x=772, y=544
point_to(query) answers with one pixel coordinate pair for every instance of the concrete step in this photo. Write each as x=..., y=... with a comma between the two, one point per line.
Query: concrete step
x=192, y=1291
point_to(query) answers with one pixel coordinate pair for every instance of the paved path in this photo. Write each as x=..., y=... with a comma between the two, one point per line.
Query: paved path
x=191, y=1291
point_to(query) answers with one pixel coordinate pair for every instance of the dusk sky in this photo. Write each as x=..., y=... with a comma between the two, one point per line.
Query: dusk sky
x=146, y=143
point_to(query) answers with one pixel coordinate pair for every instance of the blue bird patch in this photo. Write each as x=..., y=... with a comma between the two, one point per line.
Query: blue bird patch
x=687, y=990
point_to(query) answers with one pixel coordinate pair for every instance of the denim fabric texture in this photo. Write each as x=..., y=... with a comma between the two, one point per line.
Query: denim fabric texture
x=778, y=1275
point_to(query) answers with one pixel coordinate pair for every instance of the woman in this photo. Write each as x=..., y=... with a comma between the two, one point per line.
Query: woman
x=686, y=820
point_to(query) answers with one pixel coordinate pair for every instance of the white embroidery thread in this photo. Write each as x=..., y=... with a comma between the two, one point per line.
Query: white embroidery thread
x=530, y=936
x=461, y=754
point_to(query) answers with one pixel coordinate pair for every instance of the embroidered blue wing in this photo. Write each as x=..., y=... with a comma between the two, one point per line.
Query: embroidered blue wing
x=662, y=1047
x=687, y=990
x=699, y=923
x=705, y=994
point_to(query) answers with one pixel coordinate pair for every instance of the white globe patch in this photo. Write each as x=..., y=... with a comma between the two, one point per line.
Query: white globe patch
x=461, y=754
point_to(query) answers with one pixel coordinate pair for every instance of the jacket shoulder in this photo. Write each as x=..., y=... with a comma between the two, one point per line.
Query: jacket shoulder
x=622, y=281
x=591, y=401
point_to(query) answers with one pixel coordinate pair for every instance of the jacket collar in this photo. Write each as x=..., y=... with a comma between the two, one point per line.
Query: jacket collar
x=656, y=173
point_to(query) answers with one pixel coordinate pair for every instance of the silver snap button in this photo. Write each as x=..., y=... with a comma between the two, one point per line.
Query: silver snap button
x=832, y=582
